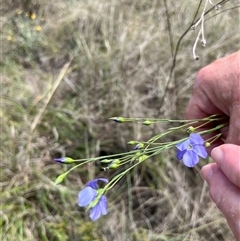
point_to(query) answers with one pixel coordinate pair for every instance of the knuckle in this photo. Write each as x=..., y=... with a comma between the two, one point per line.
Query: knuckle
x=204, y=75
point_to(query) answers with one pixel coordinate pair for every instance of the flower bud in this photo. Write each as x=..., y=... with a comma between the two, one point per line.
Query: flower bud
x=115, y=164
x=118, y=119
x=139, y=146
x=65, y=160
x=106, y=161
x=147, y=122
x=132, y=142
x=143, y=158
x=60, y=178
x=190, y=129
x=207, y=144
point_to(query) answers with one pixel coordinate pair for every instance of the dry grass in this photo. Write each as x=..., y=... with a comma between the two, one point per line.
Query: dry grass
x=91, y=60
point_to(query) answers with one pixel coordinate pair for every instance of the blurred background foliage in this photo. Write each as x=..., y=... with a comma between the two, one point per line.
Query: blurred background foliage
x=66, y=68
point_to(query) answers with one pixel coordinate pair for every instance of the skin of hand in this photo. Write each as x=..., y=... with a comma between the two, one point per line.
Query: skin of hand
x=217, y=91
x=223, y=178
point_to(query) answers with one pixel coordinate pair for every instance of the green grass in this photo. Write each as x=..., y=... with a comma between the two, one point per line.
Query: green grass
x=92, y=60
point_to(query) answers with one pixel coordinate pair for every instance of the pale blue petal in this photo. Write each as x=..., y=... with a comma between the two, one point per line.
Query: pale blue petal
x=190, y=158
x=200, y=150
x=93, y=184
x=103, y=205
x=180, y=154
x=183, y=145
x=86, y=196
x=99, y=209
x=59, y=160
x=95, y=212
x=195, y=138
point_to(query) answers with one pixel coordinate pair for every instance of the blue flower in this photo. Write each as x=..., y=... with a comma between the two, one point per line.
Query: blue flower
x=90, y=195
x=190, y=150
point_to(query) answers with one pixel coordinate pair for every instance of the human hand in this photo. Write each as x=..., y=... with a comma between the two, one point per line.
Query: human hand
x=223, y=178
x=217, y=91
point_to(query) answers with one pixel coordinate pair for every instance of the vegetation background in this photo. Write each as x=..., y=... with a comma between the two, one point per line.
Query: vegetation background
x=66, y=68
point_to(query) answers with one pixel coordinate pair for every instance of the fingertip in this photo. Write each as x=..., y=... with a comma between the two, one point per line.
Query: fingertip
x=217, y=155
x=207, y=172
x=227, y=157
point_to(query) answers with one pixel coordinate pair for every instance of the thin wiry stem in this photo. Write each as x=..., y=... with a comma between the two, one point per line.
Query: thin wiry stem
x=175, y=57
x=172, y=70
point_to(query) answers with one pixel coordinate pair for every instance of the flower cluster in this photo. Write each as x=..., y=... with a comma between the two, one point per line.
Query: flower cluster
x=91, y=194
x=189, y=150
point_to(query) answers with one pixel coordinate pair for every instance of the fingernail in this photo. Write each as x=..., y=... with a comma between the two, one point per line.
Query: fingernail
x=217, y=155
x=207, y=172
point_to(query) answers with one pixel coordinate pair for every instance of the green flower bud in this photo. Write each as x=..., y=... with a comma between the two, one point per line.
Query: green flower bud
x=115, y=164
x=106, y=161
x=190, y=129
x=207, y=144
x=60, y=178
x=143, y=158
x=147, y=122
x=132, y=142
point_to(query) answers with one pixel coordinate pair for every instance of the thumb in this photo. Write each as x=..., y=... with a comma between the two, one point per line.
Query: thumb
x=227, y=157
x=225, y=194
